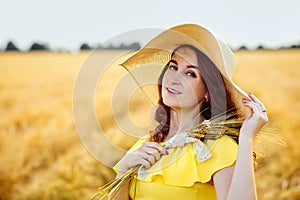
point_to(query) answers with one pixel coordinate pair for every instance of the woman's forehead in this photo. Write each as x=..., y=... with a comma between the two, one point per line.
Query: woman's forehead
x=187, y=55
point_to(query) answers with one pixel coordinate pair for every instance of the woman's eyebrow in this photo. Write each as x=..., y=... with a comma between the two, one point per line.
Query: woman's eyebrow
x=193, y=67
x=173, y=61
x=189, y=66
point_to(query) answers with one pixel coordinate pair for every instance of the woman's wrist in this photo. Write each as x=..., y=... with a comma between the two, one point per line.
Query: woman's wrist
x=122, y=170
x=246, y=138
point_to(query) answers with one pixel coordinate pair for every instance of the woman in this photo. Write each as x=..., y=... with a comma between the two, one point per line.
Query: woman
x=194, y=86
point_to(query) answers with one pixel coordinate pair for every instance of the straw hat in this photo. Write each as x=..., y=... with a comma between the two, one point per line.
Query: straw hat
x=158, y=52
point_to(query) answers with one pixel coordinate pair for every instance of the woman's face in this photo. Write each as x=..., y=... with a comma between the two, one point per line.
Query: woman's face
x=182, y=84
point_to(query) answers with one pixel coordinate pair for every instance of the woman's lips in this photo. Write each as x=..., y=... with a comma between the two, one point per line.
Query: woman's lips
x=172, y=91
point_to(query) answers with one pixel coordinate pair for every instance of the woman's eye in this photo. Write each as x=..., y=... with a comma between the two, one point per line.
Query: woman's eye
x=192, y=74
x=172, y=67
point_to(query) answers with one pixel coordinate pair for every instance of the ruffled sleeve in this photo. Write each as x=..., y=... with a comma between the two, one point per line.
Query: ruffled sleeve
x=181, y=166
x=224, y=154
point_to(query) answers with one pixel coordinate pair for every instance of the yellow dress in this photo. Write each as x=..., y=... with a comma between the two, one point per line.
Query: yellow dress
x=179, y=175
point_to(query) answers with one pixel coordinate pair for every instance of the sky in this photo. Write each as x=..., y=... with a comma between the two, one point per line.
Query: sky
x=66, y=24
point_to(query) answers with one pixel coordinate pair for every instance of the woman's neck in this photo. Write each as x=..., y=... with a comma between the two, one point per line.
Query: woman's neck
x=182, y=120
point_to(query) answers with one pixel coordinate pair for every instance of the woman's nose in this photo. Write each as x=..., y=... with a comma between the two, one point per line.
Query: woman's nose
x=175, y=78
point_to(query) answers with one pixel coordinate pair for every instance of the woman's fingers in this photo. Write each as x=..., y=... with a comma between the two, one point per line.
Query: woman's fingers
x=156, y=146
x=149, y=153
x=154, y=149
x=153, y=152
x=257, y=108
x=257, y=117
x=145, y=163
x=252, y=105
x=149, y=157
x=253, y=97
x=256, y=100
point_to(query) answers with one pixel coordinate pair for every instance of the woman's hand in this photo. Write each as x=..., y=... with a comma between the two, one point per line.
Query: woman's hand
x=146, y=155
x=256, y=119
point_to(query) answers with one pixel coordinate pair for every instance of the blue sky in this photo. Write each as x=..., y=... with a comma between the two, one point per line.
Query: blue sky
x=67, y=24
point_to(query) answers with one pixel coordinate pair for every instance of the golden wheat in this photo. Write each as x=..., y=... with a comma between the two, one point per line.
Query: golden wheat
x=41, y=154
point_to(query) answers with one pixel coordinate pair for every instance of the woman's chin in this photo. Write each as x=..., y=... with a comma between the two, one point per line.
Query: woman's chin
x=172, y=104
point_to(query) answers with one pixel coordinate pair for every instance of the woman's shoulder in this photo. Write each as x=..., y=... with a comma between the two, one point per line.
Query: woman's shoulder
x=224, y=154
x=224, y=144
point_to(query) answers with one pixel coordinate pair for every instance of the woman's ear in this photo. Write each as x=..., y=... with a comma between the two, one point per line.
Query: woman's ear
x=206, y=97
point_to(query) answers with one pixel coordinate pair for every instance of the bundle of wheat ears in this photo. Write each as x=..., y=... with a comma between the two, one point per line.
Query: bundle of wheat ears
x=223, y=124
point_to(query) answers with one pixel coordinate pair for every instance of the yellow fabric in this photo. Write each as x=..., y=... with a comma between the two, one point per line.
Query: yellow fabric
x=179, y=175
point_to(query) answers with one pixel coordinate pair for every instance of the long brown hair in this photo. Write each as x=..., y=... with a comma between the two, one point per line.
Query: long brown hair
x=218, y=102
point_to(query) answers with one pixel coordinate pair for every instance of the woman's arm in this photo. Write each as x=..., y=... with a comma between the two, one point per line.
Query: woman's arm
x=238, y=181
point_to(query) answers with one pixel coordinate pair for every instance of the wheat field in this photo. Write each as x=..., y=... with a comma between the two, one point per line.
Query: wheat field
x=42, y=156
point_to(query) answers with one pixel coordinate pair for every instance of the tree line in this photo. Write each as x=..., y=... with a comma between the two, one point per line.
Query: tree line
x=261, y=47
x=10, y=46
